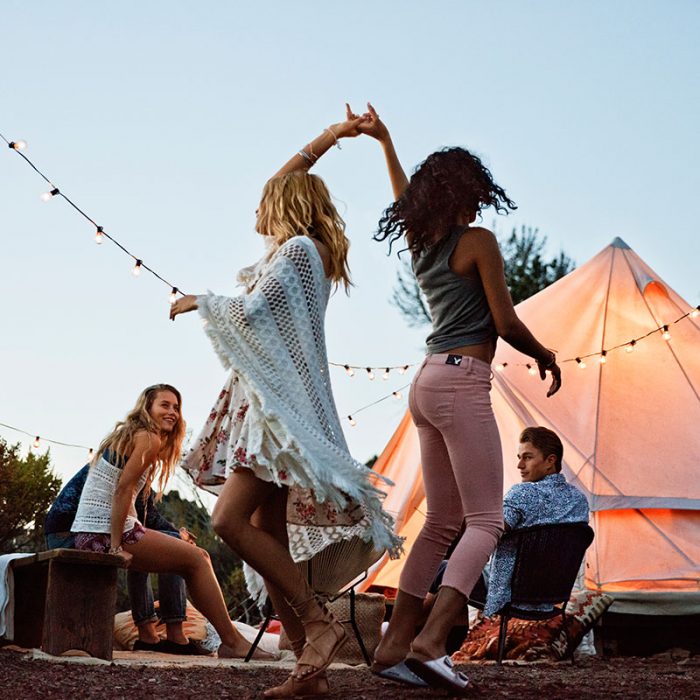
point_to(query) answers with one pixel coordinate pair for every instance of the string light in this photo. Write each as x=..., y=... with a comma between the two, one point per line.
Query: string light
x=396, y=394
x=91, y=454
x=603, y=357
x=370, y=373
x=37, y=439
x=630, y=346
x=501, y=366
x=50, y=194
x=403, y=370
x=531, y=370
x=21, y=145
x=137, y=268
x=581, y=364
x=385, y=376
x=666, y=335
x=695, y=312
x=349, y=371
x=352, y=421
x=173, y=295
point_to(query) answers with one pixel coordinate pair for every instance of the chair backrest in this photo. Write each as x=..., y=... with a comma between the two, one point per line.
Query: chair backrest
x=548, y=558
x=331, y=570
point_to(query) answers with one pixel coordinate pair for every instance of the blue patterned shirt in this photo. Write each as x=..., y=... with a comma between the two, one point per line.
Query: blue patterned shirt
x=547, y=501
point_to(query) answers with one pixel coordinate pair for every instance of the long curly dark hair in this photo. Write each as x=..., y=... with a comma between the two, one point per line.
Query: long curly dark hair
x=448, y=183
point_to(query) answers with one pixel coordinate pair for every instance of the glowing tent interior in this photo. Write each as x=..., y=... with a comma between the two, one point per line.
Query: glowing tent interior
x=629, y=424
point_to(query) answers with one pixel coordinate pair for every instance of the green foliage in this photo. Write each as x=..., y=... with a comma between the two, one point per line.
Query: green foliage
x=526, y=270
x=28, y=487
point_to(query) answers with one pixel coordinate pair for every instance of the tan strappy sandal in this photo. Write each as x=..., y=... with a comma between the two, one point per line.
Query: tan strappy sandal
x=294, y=688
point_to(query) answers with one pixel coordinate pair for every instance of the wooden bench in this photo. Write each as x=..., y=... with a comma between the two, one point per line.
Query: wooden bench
x=66, y=599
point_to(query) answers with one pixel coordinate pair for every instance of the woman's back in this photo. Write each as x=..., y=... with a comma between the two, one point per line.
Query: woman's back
x=458, y=305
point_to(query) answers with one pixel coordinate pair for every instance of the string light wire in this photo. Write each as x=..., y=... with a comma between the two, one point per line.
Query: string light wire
x=58, y=192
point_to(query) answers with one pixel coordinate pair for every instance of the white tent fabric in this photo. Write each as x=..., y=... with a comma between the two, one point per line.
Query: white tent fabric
x=629, y=428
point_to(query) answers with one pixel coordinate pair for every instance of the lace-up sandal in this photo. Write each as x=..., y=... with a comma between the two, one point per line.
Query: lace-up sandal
x=293, y=688
x=300, y=688
x=325, y=636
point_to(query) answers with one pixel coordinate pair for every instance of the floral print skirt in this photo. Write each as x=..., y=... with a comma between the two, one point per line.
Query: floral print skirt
x=222, y=447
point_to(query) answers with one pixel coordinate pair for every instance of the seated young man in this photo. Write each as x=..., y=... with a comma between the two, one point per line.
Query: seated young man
x=171, y=588
x=544, y=497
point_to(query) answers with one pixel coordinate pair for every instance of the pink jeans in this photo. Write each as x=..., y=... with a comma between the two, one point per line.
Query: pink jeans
x=462, y=472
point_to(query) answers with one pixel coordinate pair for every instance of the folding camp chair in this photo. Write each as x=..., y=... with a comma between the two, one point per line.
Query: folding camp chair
x=333, y=572
x=547, y=561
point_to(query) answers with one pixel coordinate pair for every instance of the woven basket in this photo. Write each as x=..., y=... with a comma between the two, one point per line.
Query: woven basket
x=369, y=615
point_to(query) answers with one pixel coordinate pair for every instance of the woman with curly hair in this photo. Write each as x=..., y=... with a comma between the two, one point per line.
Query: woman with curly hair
x=274, y=437
x=144, y=449
x=459, y=268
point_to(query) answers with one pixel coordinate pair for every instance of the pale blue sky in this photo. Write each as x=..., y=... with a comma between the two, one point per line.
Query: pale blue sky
x=163, y=120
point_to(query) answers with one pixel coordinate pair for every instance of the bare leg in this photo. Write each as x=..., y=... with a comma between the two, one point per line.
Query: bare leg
x=430, y=642
x=242, y=495
x=271, y=517
x=160, y=553
x=396, y=642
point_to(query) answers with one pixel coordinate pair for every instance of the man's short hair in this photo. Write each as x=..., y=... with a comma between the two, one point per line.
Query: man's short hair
x=546, y=441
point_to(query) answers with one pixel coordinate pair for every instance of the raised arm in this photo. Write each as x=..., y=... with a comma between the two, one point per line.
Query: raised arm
x=373, y=126
x=307, y=156
x=489, y=263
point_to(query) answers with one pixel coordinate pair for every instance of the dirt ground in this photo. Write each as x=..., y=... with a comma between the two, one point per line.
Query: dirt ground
x=669, y=676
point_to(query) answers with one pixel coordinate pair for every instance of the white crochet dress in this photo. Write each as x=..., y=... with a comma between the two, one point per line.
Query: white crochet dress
x=276, y=414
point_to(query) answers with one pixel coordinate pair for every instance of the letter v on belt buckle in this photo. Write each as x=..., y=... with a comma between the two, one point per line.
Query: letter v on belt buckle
x=454, y=360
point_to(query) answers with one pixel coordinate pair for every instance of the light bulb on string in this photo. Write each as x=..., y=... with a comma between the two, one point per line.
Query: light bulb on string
x=91, y=454
x=99, y=235
x=349, y=371
x=37, y=440
x=352, y=421
x=666, y=335
x=385, y=376
x=630, y=346
x=18, y=145
x=695, y=312
x=403, y=370
x=501, y=366
x=173, y=295
x=370, y=373
x=531, y=370
x=396, y=394
x=50, y=194
x=137, y=268
x=581, y=364
x=603, y=359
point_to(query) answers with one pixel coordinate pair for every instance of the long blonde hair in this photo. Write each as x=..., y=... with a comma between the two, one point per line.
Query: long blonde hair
x=121, y=439
x=299, y=203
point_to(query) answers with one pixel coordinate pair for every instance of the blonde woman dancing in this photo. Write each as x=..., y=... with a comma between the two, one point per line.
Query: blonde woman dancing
x=275, y=427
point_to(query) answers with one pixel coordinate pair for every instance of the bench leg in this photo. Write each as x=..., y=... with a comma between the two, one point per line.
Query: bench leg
x=80, y=605
x=30, y=601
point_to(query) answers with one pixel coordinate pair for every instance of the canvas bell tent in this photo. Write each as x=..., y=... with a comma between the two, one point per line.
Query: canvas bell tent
x=628, y=420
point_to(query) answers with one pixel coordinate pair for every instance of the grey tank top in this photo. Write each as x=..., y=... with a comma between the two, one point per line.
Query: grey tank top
x=458, y=305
